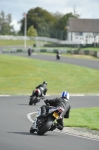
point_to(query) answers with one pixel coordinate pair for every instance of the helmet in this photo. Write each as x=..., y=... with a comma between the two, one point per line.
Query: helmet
x=45, y=82
x=65, y=95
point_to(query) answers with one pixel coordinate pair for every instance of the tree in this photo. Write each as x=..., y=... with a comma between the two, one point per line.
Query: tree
x=31, y=31
x=62, y=25
x=5, y=21
x=47, y=24
x=39, y=18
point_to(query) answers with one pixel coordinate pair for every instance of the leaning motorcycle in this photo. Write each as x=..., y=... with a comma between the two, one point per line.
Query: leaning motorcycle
x=42, y=125
x=35, y=97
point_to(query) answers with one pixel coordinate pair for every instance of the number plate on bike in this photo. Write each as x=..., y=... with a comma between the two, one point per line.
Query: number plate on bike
x=56, y=115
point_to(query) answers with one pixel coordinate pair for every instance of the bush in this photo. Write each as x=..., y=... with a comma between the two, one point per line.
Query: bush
x=19, y=50
x=43, y=50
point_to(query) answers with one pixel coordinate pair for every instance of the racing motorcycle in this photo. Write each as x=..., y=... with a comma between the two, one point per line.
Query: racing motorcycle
x=41, y=125
x=35, y=97
x=58, y=56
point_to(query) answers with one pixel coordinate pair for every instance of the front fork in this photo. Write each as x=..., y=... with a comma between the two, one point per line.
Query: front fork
x=35, y=121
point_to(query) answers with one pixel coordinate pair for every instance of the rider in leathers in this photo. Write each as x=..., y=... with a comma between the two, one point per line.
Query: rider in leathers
x=43, y=89
x=58, y=102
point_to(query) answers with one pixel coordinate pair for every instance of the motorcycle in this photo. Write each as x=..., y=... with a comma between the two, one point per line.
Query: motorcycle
x=42, y=125
x=57, y=56
x=29, y=52
x=35, y=97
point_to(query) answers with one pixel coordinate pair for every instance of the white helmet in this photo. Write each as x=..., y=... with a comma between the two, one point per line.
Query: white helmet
x=65, y=95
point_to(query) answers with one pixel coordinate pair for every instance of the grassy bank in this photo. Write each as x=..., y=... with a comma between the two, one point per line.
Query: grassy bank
x=20, y=75
x=15, y=42
x=83, y=117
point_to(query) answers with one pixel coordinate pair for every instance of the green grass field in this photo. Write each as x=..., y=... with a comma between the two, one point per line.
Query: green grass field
x=20, y=75
x=83, y=117
x=15, y=42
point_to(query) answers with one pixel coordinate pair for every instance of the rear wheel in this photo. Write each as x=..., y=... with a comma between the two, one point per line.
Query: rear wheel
x=45, y=127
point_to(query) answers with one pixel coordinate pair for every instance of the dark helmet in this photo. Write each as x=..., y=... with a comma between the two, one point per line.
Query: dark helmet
x=45, y=82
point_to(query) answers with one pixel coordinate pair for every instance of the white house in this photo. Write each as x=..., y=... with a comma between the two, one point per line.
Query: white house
x=83, y=31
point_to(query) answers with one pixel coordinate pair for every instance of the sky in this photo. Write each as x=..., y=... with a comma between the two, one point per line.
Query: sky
x=85, y=8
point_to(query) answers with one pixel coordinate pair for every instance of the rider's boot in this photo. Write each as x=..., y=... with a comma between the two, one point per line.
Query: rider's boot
x=53, y=127
x=58, y=126
x=43, y=111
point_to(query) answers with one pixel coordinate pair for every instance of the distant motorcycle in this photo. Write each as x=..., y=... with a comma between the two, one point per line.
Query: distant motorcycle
x=57, y=56
x=35, y=97
x=45, y=124
x=29, y=52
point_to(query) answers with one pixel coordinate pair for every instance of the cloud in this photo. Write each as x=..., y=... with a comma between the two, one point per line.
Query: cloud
x=86, y=8
x=16, y=25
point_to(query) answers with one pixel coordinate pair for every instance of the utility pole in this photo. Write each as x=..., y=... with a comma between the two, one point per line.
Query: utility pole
x=25, y=28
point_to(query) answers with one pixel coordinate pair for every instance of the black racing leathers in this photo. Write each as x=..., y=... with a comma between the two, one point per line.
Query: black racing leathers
x=43, y=88
x=58, y=102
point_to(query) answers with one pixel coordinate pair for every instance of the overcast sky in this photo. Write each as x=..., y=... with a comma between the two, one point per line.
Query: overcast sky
x=86, y=8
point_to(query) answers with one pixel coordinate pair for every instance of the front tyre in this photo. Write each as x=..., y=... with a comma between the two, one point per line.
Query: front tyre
x=32, y=130
x=45, y=127
x=30, y=102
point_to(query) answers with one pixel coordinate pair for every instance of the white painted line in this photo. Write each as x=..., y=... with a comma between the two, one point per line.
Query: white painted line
x=72, y=134
x=29, y=116
x=4, y=95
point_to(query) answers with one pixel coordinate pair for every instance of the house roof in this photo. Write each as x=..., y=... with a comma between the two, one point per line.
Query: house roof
x=83, y=25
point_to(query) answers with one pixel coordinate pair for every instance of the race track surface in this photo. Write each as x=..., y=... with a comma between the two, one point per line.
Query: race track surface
x=14, y=124
x=74, y=61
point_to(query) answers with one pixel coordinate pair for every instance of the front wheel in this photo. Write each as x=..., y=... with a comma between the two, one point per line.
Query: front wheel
x=30, y=102
x=32, y=130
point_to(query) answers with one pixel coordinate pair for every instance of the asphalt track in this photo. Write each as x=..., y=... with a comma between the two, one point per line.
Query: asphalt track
x=14, y=125
x=74, y=61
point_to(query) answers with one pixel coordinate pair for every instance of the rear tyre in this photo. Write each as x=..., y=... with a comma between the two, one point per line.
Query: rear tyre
x=45, y=127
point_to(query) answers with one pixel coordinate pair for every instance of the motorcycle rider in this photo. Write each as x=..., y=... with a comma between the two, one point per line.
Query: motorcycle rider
x=58, y=102
x=58, y=54
x=42, y=89
x=29, y=51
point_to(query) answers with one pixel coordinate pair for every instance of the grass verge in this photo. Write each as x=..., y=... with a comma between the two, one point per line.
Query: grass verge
x=83, y=117
x=20, y=75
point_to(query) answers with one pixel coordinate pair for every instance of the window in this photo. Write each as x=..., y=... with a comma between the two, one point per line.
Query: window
x=95, y=34
x=78, y=33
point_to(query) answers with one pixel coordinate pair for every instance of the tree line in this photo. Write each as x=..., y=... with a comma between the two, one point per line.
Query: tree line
x=40, y=22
